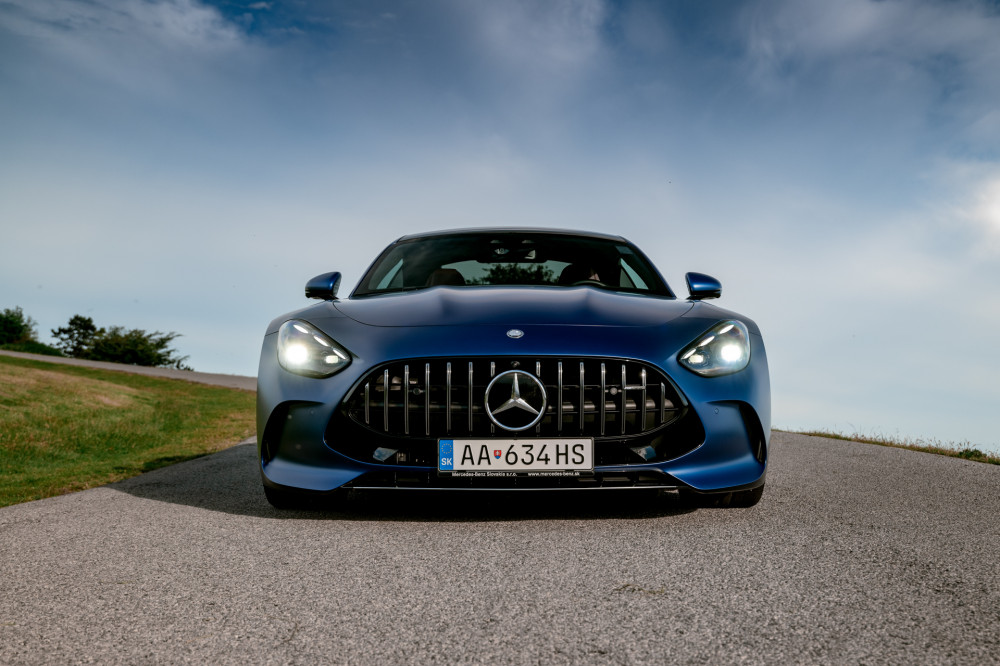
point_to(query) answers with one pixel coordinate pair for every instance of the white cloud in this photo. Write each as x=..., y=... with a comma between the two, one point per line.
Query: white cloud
x=940, y=56
x=984, y=207
x=171, y=24
x=907, y=30
x=155, y=48
x=537, y=46
x=556, y=35
x=967, y=203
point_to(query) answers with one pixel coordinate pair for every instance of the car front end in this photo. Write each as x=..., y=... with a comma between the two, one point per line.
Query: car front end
x=513, y=387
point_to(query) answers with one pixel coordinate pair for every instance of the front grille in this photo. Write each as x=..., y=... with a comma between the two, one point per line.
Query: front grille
x=397, y=413
x=446, y=397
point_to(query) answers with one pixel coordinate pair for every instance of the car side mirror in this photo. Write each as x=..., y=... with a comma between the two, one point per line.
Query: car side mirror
x=702, y=286
x=324, y=286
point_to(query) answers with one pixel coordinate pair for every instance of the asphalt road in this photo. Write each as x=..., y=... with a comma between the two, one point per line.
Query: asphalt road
x=857, y=554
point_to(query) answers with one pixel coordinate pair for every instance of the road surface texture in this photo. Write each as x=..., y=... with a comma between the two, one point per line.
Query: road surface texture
x=856, y=554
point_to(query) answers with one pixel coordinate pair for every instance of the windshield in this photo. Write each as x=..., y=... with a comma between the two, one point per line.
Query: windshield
x=511, y=259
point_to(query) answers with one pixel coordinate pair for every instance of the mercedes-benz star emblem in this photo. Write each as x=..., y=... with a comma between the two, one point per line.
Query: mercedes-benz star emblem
x=515, y=333
x=519, y=401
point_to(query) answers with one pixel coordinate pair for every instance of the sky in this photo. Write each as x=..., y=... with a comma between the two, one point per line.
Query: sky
x=186, y=166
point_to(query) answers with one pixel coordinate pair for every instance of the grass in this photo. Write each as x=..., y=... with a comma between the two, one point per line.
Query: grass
x=67, y=428
x=952, y=450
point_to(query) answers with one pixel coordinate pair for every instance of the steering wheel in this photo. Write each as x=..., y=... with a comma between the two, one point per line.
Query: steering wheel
x=580, y=283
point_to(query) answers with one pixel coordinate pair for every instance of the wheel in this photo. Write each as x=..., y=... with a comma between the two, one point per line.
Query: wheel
x=747, y=498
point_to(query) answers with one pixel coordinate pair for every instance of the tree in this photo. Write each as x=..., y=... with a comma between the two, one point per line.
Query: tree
x=15, y=326
x=76, y=337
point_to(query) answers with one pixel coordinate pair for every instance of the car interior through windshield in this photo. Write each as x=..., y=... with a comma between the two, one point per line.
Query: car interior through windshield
x=515, y=259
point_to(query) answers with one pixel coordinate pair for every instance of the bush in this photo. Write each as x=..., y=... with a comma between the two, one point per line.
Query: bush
x=15, y=326
x=136, y=347
x=971, y=454
x=80, y=338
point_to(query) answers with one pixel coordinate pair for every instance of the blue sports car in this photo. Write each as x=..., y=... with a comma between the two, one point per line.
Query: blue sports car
x=513, y=359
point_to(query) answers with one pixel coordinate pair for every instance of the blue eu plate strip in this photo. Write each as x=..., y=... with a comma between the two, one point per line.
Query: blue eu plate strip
x=446, y=453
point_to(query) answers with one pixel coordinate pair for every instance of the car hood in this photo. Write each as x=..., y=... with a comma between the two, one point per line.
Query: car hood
x=524, y=306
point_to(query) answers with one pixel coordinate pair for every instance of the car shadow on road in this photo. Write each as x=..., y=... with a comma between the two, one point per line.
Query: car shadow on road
x=228, y=482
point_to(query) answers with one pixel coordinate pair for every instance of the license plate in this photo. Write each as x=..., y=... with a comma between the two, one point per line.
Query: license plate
x=515, y=455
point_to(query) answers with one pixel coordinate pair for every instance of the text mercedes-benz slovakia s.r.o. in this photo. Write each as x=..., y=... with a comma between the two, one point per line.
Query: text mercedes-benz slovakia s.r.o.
x=512, y=359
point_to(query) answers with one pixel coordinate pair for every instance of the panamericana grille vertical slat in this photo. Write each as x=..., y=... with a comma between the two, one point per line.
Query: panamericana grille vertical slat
x=559, y=400
x=643, y=375
x=538, y=373
x=624, y=389
x=385, y=400
x=629, y=400
x=406, y=399
x=447, y=400
x=603, y=398
x=470, y=397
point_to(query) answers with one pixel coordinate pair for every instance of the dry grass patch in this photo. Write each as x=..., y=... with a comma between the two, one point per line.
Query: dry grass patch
x=65, y=428
x=951, y=449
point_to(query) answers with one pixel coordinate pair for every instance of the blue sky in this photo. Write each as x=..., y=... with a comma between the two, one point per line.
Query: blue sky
x=186, y=166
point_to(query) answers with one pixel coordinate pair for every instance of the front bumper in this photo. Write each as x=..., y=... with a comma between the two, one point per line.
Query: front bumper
x=308, y=441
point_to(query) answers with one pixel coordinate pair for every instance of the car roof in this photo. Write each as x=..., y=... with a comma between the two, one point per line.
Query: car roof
x=513, y=230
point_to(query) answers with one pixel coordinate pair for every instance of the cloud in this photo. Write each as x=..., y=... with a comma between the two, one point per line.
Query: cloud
x=169, y=24
x=941, y=56
x=966, y=197
x=986, y=206
x=517, y=63
x=644, y=28
x=153, y=48
x=555, y=37
x=906, y=31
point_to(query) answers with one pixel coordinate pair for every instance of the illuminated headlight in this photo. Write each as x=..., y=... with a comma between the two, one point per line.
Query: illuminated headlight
x=305, y=350
x=723, y=350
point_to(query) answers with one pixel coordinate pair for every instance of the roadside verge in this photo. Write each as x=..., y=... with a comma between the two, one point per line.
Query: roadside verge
x=229, y=381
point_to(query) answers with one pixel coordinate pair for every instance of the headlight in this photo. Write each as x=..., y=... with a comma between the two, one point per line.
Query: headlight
x=304, y=350
x=723, y=350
